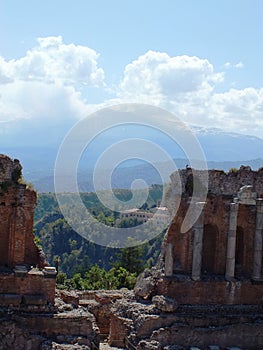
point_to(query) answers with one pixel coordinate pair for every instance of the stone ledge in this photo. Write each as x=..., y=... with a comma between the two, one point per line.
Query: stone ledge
x=10, y=299
x=50, y=272
x=34, y=299
x=20, y=271
x=211, y=291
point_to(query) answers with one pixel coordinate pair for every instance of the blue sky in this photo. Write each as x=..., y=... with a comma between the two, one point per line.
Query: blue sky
x=60, y=60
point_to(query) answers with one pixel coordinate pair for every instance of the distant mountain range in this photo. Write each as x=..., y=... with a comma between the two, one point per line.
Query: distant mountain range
x=124, y=176
x=223, y=150
x=224, y=146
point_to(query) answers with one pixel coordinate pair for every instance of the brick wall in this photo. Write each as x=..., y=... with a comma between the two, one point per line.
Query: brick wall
x=216, y=224
x=35, y=283
x=17, y=246
x=221, y=183
x=17, y=205
x=211, y=292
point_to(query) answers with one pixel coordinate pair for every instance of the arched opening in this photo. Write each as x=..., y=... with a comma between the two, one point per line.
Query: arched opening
x=209, y=249
x=239, y=258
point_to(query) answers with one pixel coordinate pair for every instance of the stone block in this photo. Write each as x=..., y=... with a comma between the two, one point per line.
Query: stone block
x=20, y=271
x=50, y=272
x=165, y=304
x=149, y=345
x=70, y=297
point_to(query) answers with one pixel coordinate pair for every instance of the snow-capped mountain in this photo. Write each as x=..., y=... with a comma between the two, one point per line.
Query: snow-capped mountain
x=223, y=150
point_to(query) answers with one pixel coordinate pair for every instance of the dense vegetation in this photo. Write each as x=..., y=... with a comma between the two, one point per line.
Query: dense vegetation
x=83, y=264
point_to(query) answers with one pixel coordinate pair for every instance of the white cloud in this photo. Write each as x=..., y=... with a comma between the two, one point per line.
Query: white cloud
x=34, y=113
x=161, y=77
x=229, y=65
x=239, y=110
x=239, y=65
x=53, y=61
x=45, y=86
x=41, y=101
x=187, y=86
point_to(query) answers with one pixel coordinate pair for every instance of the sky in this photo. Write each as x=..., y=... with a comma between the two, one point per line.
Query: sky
x=61, y=60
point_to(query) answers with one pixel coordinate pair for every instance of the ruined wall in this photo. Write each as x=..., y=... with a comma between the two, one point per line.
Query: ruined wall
x=210, y=292
x=216, y=218
x=24, y=280
x=219, y=259
x=34, y=287
x=216, y=228
x=223, y=189
x=30, y=317
x=17, y=203
x=71, y=329
x=9, y=170
x=221, y=183
x=154, y=325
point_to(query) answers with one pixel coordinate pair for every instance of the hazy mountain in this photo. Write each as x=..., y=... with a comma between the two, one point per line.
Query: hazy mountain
x=224, y=146
x=222, y=150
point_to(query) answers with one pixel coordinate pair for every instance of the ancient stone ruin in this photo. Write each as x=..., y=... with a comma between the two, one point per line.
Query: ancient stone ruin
x=31, y=318
x=213, y=270
x=219, y=260
x=204, y=293
x=24, y=277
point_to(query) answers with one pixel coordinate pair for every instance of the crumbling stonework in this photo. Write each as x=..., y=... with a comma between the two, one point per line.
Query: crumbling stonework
x=30, y=318
x=222, y=183
x=204, y=293
x=24, y=277
x=17, y=203
x=147, y=325
x=219, y=260
x=66, y=328
x=213, y=271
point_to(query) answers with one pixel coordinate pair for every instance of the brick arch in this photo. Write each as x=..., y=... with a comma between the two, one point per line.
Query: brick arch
x=210, y=238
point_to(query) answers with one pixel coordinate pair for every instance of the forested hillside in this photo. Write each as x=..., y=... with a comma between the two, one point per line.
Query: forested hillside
x=82, y=263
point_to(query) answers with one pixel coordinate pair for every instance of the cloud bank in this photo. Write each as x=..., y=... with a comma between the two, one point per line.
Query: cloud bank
x=52, y=61
x=46, y=82
x=50, y=85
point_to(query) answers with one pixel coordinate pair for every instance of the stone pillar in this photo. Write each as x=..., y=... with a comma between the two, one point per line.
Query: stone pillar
x=231, y=242
x=198, y=229
x=168, y=260
x=258, y=241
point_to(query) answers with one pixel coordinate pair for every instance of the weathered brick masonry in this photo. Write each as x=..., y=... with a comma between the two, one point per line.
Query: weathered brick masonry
x=24, y=279
x=219, y=260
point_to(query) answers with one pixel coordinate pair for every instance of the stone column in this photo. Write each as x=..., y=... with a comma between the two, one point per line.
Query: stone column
x=198, y=229
x=231, y=242
x=258, y=241
x=168, y=260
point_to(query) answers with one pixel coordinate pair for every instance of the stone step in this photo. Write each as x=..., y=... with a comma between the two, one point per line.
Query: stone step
x=106, y=346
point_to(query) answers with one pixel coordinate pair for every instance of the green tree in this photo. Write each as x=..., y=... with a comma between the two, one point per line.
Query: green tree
x=78, y=282
x=96, y=278
x=131, y=259
x=124, y=278
x=61, y=279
